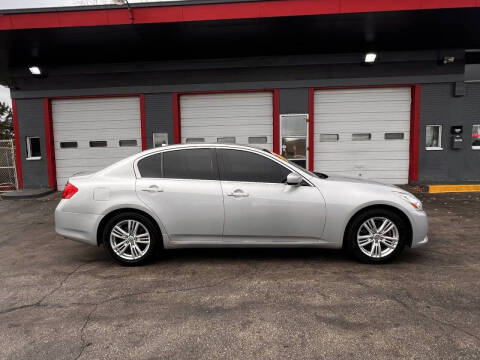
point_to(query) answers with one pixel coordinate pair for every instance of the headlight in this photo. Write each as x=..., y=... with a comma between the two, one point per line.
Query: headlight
x=412, y=200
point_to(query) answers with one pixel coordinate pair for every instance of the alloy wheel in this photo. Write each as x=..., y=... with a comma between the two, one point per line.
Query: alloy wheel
x=130, y=239
x=378, y=237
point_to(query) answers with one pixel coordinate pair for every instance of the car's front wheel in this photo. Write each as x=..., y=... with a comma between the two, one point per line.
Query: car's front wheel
x=377, y=236
x=130, y=238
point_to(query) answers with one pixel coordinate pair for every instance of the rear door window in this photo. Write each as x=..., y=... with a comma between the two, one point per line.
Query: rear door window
x=239, y=165
x=150, y=166
x=190, y=164
x=197, y=164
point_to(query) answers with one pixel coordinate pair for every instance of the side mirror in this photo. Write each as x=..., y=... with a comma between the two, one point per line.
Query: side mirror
x=294, y=179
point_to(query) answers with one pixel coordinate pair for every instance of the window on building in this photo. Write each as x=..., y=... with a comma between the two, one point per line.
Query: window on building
x=98, y=143
x=190, y=164
x=124, y=143
x=33, y=148
x=361, y=136
x=433, y=140
x=68, y=144
x=329, y=137
x=160, y=139
x=394, y=136
x=245, y=166
x=476, y=137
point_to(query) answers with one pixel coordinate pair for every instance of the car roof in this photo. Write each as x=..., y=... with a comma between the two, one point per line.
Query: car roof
x=205, y=145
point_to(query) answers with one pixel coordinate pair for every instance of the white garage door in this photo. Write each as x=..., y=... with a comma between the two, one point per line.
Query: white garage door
x=241, y=118
x=363, y=133
x=91, y=134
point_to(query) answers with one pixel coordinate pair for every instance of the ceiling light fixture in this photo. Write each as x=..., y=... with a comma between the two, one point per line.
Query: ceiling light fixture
x=35, y=70
x=370, y=58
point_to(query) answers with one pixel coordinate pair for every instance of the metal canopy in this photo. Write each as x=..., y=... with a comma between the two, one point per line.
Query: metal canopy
x=319, y=34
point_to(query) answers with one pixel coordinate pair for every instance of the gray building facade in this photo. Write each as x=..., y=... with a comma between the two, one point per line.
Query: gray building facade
x=444, y=93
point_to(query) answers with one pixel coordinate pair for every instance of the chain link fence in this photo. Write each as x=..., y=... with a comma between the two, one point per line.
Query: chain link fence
x=8, y=170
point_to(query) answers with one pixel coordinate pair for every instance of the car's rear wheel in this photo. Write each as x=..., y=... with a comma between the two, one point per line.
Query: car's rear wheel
x=377, y=236
x=130, y=238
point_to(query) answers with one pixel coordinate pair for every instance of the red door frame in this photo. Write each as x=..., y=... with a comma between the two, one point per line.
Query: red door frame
x=49, y=137
x=414, y=123
x=177, y=132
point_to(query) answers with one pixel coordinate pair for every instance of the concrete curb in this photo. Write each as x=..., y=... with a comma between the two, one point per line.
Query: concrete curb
x=27, y=194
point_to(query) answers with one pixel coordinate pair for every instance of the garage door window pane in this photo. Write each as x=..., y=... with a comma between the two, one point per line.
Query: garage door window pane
x=328, y=137
x=195, y=140
x=394, y=136
x=257, y=140
x=433, y=139
x=226, y=140
x=68, y=144
x=361, y=136
x=189, y=164
x=98, y=144
x=476, y=137
x=250, y=167
x=150, y=167
x=123, y=143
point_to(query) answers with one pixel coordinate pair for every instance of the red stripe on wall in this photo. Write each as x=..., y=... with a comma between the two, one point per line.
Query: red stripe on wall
x=142, y=122
x=311, y=130
x=177, y=137
x=49, y=143
x=184, y=13
x=414, y=133
x=18, y=153
x=276, y=121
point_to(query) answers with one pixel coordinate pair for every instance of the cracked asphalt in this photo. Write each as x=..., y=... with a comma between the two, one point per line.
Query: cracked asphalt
x=64, y=300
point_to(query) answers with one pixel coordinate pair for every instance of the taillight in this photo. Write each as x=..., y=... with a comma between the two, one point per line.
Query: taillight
x=69, y=191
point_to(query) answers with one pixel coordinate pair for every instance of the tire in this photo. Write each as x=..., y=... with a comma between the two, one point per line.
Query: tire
x=366, y=242
x=131, y=247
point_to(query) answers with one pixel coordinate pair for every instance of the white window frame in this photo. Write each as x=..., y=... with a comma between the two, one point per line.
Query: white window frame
x=474, y=147
x=29, y=148
x=435, y=148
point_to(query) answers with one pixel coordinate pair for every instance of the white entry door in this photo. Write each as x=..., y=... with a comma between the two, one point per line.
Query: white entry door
x=93, y=133
x=363, y=133
x=243, y=118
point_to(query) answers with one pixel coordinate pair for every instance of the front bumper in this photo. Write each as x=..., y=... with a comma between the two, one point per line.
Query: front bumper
x=419, y=228
x=78, y=227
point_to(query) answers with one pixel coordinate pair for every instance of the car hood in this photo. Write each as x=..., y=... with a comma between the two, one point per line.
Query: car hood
x=347, y=179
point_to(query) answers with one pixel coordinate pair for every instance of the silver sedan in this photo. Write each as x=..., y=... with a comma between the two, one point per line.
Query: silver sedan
x=219, y=195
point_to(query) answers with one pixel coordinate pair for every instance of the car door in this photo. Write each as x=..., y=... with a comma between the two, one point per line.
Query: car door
x=181, y=186
x=260, y=207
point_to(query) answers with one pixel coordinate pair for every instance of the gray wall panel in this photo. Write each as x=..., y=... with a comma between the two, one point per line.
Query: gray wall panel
x=440, y=107
x=31, y=123
x=158, y=116
x=293, y=101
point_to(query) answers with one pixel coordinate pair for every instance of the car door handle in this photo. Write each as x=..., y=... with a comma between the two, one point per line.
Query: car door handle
x=153, y=189
x=238, y=194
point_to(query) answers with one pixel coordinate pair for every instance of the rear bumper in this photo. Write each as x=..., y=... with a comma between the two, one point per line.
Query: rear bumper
x=78, y=227
x=419, y=228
